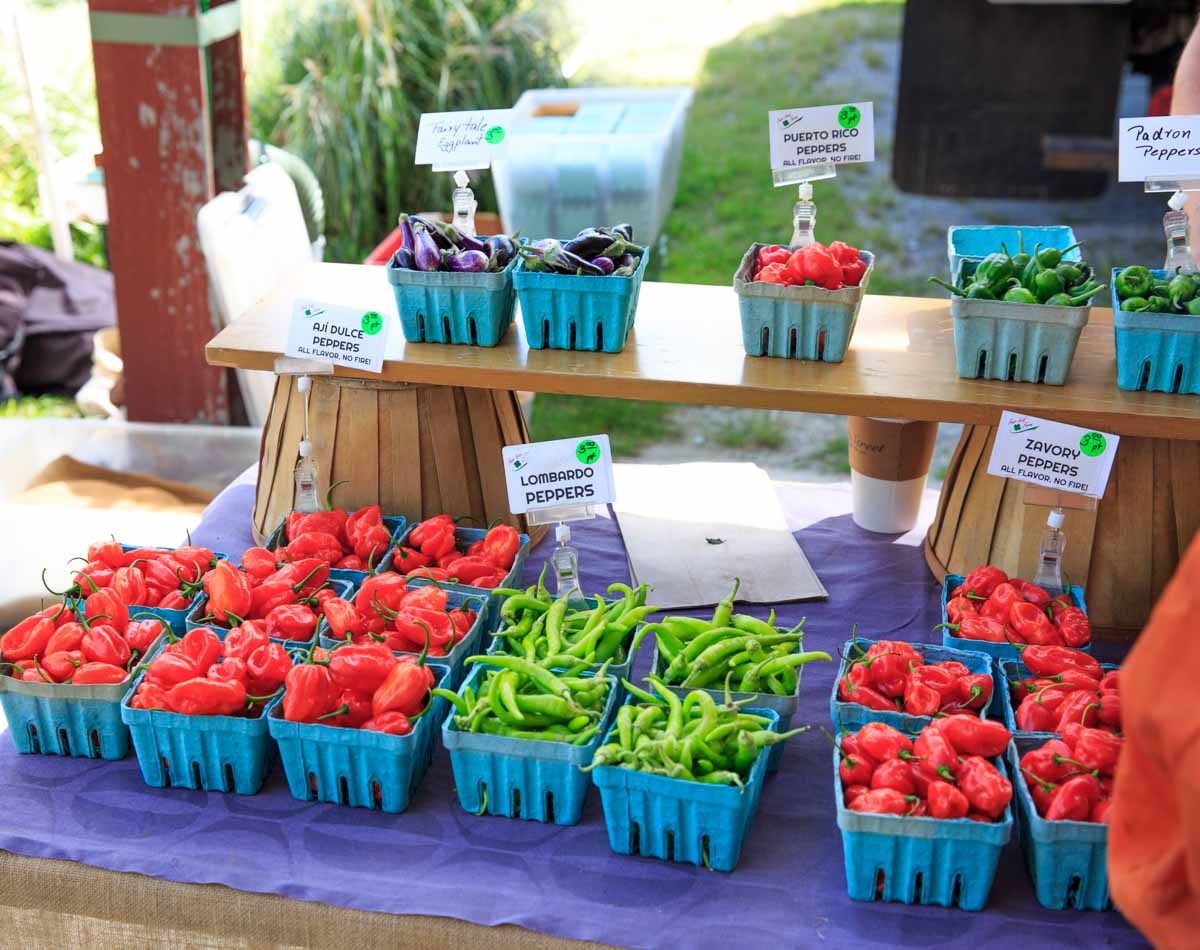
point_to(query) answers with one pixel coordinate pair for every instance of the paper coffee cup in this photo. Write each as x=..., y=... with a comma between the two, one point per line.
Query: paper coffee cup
x=889, y=461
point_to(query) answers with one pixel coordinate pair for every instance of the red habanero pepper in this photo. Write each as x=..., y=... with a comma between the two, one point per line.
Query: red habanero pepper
x=475, y=548
x=66, y=638
x=102, y=644
x=243, y=640
x=999, y=605
x=1049, y=660
x=881, y=742
x=427, y=596
x=207, y=697
x=1070, y=733
x=971, y=735
x=1032, y=592
x=935, y=756
x=1077, y=679
x=470, y=569
x=490, y=582
x=96, y=673
x=150, y=696
x=359, y=521
x=1034, y=716
x=953, y=667
x=351, y=562
x=333, y=522
x=229, y=594
x=405, y=559
x=773, y=274
x=975, y=690
x=228, y=668
x=309, y=693
x=1033, y=626
x=109, y=553
x=385, y=589
x=909, y=653
x=1080, y=707
x=161, y=573
x=438, y=541
x=985, y=788
x=843, y=253
x=1074, y=798
x=1097, y=750
x=267, y=667
x=978, y=628
x=983, y=580
x=343, y=618
x=416, y=624
x=1047, y=761
x=1110, y=680
x=821, y=267
x=130, y=585
x=501, y=544
x=405, y=689
x=92, y=576
x=853, y=272
x=429, y=574
x=316, y=544
x=174, y=600
x=959, y=607
x=894, y=773
x=462, y=619
x=361, y=666
x=883, y=801
x=772, y=254
x=291, y=622
x=61, y=666
x=941, y=680
x=1100, y=811
x=428, y=526
x=291, y=523
x=855, y=768
x=198, y=557
x=200, y=645
x=107, y=603
x=313, y=575
x=1073, y=626
x=921, y=700
x=352, y=710
x=168, y=669
x=1109, y=712
x=373, y=544
x=850, y=692
x=259, y=563
x=141, y=634
x=946, y=801
x=393, y=723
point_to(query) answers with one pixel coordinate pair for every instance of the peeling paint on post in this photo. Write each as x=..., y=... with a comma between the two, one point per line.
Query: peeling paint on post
x=156, y=122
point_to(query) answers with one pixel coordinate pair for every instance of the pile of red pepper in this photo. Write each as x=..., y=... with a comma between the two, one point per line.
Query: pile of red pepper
x=989, y=605
x=354, y=541
x=432, y=552
x=834, y=267
x=198, y=675
x=387, y=611
x=143, y=577
x=1071, y=779
x=286, y=599
x=56, y=646
x=944, y=773
x=892, y=675
x=359, y=686
x=1068, y=688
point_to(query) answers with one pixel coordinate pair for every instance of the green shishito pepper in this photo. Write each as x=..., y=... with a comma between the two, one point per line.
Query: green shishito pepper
x=1135, y=281
x=1046, y=284
x=1019, y=295
x=1135, y=304
x=1051, y=257
x=1066, y=300
x=1157, y=304
x=994, y=270
x=1181, y=289
x=1193, y=306
x=976, y=290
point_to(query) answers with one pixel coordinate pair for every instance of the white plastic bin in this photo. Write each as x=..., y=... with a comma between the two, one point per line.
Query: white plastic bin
x=614, y=158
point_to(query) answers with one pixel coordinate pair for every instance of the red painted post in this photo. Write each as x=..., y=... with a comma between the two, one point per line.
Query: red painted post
x=156, y=110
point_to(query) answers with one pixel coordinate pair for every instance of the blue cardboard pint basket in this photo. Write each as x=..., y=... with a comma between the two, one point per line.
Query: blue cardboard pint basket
x=853, y=715
x=463, y=538
x=806, y=323
x=1067, y=860
x=578, y=312
x=522, y=778
x=999, y=651
x=978, y=241
x=676, y=820
x=357, y=767
x=784, y=707
x=1156, y=352
x=343, y=589
x=208, y=753
x=474, y=309
x=1012, y=670
x=950, y=862
x=469, y=645
x=395, y=525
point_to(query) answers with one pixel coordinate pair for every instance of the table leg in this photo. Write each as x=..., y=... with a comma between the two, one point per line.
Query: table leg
x=1123, y=553
x=414, y=450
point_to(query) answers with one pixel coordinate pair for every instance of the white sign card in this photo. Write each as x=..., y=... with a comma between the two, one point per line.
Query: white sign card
x=565, y=473
x=1057, y=456
x=1159, y=147
x=462, y=139
x=823, y=135
x=331, y=333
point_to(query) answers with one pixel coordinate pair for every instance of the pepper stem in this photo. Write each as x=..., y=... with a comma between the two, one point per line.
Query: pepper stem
x=329, y=493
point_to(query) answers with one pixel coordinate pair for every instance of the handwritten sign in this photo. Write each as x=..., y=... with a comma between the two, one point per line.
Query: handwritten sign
x=1162, y=147
x=1062, y=457
x=822, y=135
x=345, y=336
x=453, y=140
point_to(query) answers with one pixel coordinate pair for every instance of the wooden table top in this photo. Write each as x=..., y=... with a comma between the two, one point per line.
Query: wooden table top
x=687, y=347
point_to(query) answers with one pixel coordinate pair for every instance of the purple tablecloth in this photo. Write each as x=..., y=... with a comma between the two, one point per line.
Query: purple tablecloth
x=789, y=888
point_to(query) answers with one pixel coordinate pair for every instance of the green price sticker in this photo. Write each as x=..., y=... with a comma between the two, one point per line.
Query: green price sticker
x=494, y=135
x=588, y=451
x=1093, y=444
x=372, y=322
x=849, y=117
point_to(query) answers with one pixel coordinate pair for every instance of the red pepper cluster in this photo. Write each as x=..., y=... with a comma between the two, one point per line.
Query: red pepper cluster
x=989, y=605
x=1071, y=779
x=199, y=675
x=53, y=646
x=288, y=598
x=432, y=552
x=944, y=773
x=891, y=675
x=386, y=611
x=1068, y=688
x=144, y=577
x=358, y=686
x=353, y=541
x=834, y=267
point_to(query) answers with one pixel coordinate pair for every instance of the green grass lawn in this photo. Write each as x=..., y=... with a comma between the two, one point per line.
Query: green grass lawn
x=725, y=200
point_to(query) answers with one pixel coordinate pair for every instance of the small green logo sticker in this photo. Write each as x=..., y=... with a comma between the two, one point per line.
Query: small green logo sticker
x=849, y=117
x=372, y=322
x=494, y=135
x=1093, y=444
x=588, y=451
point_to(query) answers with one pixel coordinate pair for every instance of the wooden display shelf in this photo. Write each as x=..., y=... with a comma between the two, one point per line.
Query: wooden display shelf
x=687, y=347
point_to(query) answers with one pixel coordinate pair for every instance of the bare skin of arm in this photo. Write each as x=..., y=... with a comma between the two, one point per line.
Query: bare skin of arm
x=1185, y=100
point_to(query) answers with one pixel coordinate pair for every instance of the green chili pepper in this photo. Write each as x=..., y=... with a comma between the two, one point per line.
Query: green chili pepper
x=1182, y=288
x=1160, y=288
x=1193, y=306
x=994, y=269
x=1046, y=284
x=1135, y=304
x=1135, y=281
x=1158, y=304
x=1069, y=273
x=724, y=611
x=1020, y=259
x=1052, y=256
x=1019, y=295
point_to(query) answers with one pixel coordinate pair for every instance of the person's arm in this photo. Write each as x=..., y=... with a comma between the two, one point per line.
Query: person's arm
x=1185, y=100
